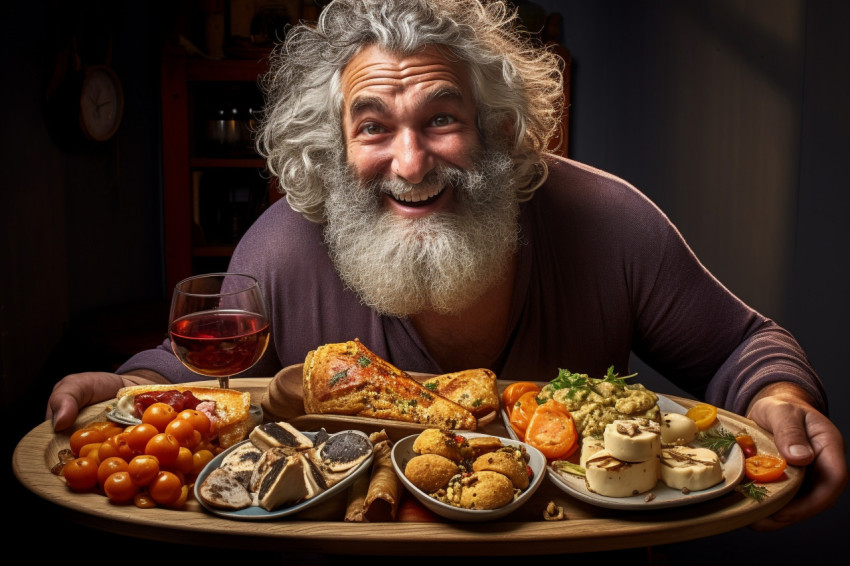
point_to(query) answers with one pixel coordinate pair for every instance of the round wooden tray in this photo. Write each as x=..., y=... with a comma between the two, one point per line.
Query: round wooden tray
x=587, y=527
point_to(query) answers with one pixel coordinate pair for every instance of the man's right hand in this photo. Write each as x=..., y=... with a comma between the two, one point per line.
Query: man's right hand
x=75, y=391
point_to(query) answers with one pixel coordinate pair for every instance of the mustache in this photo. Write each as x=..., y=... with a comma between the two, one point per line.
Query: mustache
x=438, y=177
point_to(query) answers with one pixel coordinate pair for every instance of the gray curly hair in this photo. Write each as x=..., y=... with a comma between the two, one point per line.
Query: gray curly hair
x=515, y=82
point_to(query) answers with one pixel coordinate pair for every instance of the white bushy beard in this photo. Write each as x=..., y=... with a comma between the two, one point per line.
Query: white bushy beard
x=441, y=262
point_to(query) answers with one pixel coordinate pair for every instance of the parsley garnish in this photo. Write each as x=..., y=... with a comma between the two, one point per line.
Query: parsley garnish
x=363, y=361
x=581, y=383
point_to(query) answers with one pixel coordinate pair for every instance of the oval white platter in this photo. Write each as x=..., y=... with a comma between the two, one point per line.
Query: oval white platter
x=255, y=512
x=663, y=496
x=403, y=451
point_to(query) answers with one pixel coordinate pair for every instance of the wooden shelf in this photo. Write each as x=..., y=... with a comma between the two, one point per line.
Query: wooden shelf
x=184, y=158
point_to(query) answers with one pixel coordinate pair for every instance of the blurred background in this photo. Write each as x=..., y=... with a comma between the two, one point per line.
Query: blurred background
x=731, y=115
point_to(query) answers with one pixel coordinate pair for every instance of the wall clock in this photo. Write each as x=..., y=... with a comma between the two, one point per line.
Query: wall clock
x=101, y=104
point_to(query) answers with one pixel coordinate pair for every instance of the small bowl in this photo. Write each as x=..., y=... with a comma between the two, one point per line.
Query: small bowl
x=403, y=452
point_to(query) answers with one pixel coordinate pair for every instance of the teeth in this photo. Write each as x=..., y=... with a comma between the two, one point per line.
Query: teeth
x=418, y=195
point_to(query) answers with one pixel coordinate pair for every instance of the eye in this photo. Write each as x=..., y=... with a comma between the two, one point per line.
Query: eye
x=442, y=120
x=372, y=129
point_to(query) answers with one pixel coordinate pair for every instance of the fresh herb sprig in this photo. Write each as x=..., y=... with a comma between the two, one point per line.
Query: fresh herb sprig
x=581, y=383
x=753, y=491
x=720, y=440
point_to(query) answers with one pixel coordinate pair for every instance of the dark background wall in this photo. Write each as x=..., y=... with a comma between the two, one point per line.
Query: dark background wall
x=731, y=115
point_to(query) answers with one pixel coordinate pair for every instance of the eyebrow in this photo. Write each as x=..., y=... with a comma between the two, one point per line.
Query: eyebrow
x=367, y=103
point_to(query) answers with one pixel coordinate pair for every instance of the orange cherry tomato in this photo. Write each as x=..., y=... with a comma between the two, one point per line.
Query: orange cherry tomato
x=143, y=469
x=184, y=463
x=140, y=435
x=703, y=415
x=512, y=393
x=522, y=411
x=551, y=430
x=85, y=436
x=764, y=468
x=747, y=444
x=85, y=450
x=200, y=421
x=120, y=488
x=200, y=459
x=110, y=466
x=166, y=489
x=81, y=473
x=116, y=446
x=159, y=415
x=183, y=430
x=143, y=500
x=165, y=447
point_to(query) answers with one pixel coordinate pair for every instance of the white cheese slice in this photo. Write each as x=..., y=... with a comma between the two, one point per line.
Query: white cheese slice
x=694, y=469
x=677, y=429
x=633, y=440
x=612, y=477
x=589, y=446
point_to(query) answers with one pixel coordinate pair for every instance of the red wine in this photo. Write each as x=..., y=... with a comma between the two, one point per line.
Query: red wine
x=219, y=343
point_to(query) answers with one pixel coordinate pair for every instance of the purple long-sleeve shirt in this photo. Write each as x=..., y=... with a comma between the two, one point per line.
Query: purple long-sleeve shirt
x=601, y=272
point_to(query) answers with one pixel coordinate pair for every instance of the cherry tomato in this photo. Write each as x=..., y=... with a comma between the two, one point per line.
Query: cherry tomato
x=140, y=435
x=143, y=500
x=159, y=415
x=183, y=430
x=120, y=488
x=764, y=468
x=184, y=462
x=85, y=436
x=522, y=411
x=200, y=421
x=747, y=444
x=81, y=473
x=165, y=447
x=143, y=469
x=85, y=450
x=116, y=446
x=703, y=415
x=551, y=430
x=512, y=393
x=181, y=501
x=166, y=489
x=110, y=466
x=108, y=428
x=200, y=459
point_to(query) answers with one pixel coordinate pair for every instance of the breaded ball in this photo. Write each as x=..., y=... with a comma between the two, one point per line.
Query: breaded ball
x=509, y=463
x=430, y=472
x=486, y=490
x=441, y=442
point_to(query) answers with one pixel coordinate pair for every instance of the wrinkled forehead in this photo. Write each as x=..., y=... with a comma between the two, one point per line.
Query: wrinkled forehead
x=376, y=71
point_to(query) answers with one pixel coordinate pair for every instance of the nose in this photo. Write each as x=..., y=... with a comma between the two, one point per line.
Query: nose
x=412, y=159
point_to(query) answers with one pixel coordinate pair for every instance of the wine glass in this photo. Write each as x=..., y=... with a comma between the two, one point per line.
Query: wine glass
x=218, y=324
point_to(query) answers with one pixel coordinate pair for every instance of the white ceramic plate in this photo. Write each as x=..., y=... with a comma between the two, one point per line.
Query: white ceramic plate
x=403, y=451
x=733, y=471
x=255, y=512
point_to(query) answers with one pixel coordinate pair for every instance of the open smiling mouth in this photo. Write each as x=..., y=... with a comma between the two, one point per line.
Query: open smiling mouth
x=418, y=198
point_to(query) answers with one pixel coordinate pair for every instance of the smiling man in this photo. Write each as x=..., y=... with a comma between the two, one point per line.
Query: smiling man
x=424, y=217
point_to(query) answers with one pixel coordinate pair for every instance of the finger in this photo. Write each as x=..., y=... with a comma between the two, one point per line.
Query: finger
x=788, y=423
x=65, y=413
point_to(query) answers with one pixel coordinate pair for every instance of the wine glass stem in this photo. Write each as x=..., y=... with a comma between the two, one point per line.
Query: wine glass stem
x=224, y=382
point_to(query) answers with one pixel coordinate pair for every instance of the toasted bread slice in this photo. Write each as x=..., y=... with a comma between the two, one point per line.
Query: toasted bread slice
x=349, y=379
x=475, y=389
x=231, y=412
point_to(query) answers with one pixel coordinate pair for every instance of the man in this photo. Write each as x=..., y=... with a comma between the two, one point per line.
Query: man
x=423, y=216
